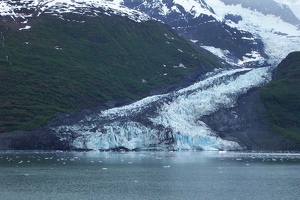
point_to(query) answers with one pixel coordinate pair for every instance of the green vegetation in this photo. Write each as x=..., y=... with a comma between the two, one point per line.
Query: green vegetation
x=60, y=66
x=282, y=98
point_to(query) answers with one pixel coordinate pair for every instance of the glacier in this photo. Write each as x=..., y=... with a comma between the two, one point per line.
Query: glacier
x=168, y=121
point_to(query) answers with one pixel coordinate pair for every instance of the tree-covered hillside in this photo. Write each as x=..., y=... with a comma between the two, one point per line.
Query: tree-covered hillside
x=282, y=98
x=64, y=65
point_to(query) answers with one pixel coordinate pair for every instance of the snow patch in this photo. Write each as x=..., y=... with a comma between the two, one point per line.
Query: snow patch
x=180, y=66
x=250, y=57
x=25, y=28
x=194, y=7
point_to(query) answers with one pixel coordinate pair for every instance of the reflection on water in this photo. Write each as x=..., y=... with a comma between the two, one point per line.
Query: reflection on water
x=148, y=175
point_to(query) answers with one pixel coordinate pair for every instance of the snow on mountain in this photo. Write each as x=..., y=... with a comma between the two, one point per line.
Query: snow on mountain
x=267, y=7
x=294, y=5
x=241, y=32
x=25, y=9
x=168, y=121
x=195, y=7
x=279, y=37
x=197, y=21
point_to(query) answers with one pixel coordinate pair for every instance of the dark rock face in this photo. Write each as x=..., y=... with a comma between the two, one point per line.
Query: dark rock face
x=244, y=124
x=234, y=18
x=42, y=139
x=220, y=35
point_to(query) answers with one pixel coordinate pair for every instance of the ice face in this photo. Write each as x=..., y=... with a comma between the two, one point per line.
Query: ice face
x=169, y=121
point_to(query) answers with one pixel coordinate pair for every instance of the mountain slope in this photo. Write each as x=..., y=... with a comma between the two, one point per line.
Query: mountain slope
x=268, y=7
x=244, y=33
x=62, y=56
x=24, y=10
x=294, y=5
x=198, y=22
x=274, y=32
x=62, y=65
x=282, y=98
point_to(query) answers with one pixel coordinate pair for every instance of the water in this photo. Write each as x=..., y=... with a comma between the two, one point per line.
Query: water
x=149, y=175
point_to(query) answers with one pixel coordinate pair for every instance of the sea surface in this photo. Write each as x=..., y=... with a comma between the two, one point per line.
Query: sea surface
x=149, y=175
